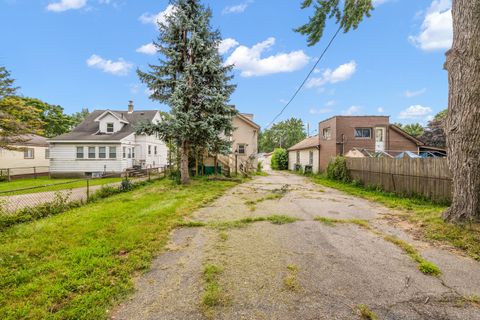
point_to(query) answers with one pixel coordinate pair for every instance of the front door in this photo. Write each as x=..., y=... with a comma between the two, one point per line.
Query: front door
x=380, y=139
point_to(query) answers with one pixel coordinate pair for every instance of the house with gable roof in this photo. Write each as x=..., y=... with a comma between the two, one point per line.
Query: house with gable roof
x=106, y=143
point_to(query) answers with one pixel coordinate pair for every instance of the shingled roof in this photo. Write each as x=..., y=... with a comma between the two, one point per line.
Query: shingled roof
x=308, y=143
x=88, y=130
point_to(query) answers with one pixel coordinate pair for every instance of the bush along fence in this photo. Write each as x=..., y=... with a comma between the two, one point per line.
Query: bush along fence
x=28, y=204
x=429, y=178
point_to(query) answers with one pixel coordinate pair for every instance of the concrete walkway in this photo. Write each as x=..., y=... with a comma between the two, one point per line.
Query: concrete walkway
x=302, y=270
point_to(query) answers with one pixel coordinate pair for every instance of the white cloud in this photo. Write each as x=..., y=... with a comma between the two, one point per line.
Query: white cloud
x=64, y=5
x=330, y=103
x=380, y=110
x=411, y=94
x=437, y=28
x=155, y=19
x=416, y=112
x=239, y=8
x=148, y=48
x=320, y=111
x=251, y=63
x=376, y=3
x=227, y=44
x=118, y=68
x=351, y=111
x=342, y=73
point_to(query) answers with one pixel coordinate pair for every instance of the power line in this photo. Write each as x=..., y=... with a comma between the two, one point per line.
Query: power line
x=306, y=78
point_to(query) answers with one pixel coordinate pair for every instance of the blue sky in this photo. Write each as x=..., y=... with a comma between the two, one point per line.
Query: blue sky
x=83, y=53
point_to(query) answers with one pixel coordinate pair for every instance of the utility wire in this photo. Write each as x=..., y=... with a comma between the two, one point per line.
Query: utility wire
x=307, y=77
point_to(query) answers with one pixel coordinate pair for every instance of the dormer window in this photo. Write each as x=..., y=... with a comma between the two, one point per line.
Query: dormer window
x=110, y=127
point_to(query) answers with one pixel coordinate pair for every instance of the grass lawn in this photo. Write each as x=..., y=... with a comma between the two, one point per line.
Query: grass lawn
x=78, y=264
x=425, y=214
x=42, y=181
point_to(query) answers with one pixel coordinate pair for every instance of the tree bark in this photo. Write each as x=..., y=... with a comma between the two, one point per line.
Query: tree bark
x=463, y=121
x=185, y=177
x=215, y=164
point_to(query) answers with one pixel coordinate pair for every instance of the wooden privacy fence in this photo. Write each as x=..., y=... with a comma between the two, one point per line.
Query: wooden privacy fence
x=429, y=177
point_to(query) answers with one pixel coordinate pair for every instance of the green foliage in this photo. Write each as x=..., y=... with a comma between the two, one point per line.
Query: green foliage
x=435, y=134
x=54, y=121
x=193, y=81
x=337, y=170
x=349, y=17
x=79, y=264
x=366, y=313
x=17, y=118
x=414, y=129
x=426, y=214
x=280, y=159
x=126, y=185
x=7, y=87
x=79, y=117
x=282, y=135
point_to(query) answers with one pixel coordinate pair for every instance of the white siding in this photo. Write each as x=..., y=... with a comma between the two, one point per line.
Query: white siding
x=108, y=118
x=304, y=159
x=152, y=159
x=63, y=159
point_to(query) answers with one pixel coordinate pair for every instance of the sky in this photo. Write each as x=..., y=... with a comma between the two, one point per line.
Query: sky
x=84, y=54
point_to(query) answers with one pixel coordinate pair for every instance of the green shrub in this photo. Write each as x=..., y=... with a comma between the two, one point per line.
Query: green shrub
x=126, y=185
x=259, y=166
x=280, y=159
x=337, y=170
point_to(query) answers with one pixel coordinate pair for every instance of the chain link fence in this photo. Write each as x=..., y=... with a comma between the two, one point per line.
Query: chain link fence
x=9, y=174
x=52, y=198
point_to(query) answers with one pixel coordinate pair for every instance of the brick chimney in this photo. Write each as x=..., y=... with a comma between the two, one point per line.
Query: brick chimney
x=130, y=106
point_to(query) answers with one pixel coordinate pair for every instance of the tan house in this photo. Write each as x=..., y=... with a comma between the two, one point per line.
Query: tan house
x=305, y=155
x=30, y=158
x=244, y=147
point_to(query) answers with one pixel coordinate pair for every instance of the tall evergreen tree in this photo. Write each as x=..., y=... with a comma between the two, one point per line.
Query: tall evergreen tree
x=192, y=80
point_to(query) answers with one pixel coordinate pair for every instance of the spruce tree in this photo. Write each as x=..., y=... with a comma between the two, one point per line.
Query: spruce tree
x=190, y=78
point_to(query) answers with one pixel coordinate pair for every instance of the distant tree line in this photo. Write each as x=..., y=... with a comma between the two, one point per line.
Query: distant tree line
x=282, y=135
x=433, y=134
x=21, y=115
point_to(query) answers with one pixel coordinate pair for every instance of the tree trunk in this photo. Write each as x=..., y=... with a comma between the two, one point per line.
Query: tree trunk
x=215, y=164
x=185, y=178
x=463, y=121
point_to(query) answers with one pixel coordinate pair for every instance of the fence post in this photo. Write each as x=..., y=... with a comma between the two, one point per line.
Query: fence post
x=88, y=189
x=148, y=172
x=8, y=175
x=35, y=172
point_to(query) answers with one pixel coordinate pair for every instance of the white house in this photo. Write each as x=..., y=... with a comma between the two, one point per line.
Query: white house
x=106, y=143
x=305, y=154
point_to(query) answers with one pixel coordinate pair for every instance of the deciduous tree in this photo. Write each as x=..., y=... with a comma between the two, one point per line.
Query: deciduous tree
x=282, y=135
x=463, y=66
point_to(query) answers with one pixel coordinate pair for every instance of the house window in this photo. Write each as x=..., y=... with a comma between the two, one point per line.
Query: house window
x=47, y=153
x=91, y=153
x=124, y=152
x=155, y=150
x=102, y=152
x=129, y=153
x=29, y=153
x=298, y=156
x=133, y=153
x=327, y=134
x=310, y=158
x=363, y=133
x=79, y=152
x=112, y=152
x=149, y=149
x=110, y=127
x=241, y=149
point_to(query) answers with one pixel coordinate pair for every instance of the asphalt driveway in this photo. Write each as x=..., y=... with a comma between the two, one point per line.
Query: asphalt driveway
x=301, y=270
